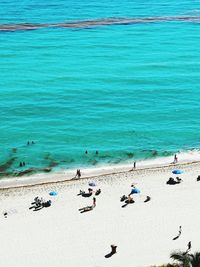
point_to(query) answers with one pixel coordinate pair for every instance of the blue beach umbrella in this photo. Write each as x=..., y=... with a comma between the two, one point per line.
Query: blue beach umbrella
x=177, y=171
x=53, y=193
x=92, y=184
x=135, y=190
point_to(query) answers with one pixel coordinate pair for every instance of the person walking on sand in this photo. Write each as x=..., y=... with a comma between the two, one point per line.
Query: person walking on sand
x=189, y=246
x=78, y=174
x=180, y=230
x=179, y=233
x=134, y=165
x=175, y=158
x=94, y=202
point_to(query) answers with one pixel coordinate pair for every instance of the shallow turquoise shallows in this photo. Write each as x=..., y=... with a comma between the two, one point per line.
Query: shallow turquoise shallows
x=128, y=91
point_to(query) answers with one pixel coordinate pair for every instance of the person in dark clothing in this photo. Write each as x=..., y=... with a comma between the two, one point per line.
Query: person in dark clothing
x=134, y=165
x=189, y=246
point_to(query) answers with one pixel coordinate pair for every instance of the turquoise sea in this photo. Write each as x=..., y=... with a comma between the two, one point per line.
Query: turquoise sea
x=129, y=91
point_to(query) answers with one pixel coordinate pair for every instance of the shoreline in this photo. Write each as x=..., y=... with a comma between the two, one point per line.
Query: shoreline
x=67, y=230
x=34, y=176
x=54, y=178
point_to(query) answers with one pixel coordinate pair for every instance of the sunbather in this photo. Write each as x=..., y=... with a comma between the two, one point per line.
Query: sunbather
x=81, y=192
x=129, y=200
x=179, y=180
x=88, y=208
x=46, y=204
x=134, y=190
x=171, y=181
x=123, y=198
x=85, y=194
x=40, y=203
x=98, y=192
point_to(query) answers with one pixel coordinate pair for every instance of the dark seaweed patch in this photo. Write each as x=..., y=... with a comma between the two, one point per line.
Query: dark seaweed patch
x=7, y=164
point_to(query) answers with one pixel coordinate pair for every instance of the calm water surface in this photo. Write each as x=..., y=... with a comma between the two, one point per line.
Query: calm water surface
x=128, y=91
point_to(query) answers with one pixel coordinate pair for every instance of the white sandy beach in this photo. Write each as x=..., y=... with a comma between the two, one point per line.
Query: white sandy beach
x=61, y=236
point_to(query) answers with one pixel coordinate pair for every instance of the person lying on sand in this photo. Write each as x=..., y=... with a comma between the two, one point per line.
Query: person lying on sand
x=88, y=208
x=37, y=201
x=98, y=192
x=129, y=200
x=40, y=203
x=171, y=181
x=84, y=194
x=123, y=198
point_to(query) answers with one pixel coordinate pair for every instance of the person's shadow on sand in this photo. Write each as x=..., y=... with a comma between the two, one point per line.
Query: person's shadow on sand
x=109, y=255
x=176, y=237
x=113, y=251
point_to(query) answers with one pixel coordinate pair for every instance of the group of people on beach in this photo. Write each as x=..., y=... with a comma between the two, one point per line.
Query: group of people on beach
x=40, y=203
x=78, y=174
x=173, y=181
x=89, y=194
x=129, y=199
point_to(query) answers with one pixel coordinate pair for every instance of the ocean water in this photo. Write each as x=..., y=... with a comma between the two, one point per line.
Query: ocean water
x=132, y=92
